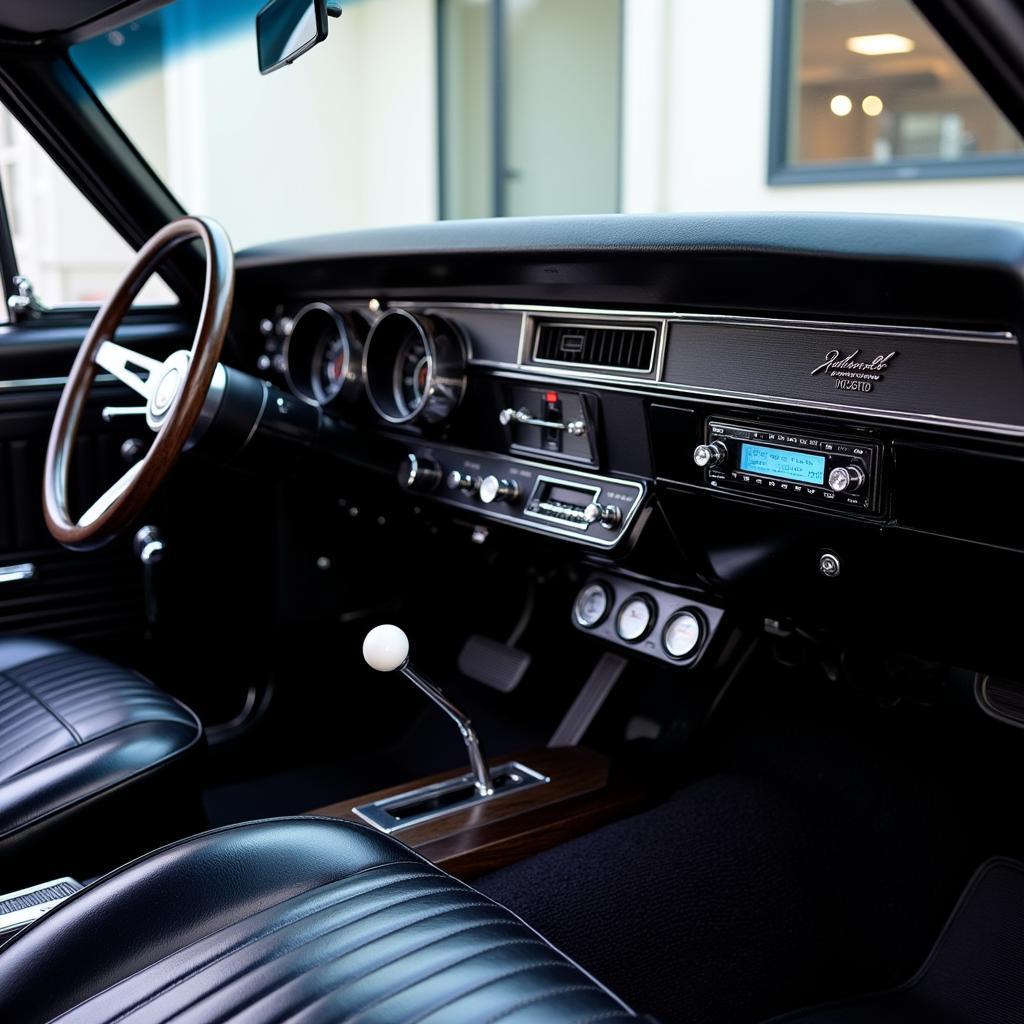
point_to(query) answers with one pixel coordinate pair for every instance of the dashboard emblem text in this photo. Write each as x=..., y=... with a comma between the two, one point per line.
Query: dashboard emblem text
x=854, y=372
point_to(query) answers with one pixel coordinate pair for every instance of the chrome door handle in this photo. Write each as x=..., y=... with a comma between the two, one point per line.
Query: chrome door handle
x=576, y=428
x=14, y=573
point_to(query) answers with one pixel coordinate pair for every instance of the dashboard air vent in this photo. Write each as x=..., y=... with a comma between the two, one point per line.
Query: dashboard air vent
x=606, y=345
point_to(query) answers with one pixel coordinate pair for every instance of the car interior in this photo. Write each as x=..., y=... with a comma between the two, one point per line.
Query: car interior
x=599, y=617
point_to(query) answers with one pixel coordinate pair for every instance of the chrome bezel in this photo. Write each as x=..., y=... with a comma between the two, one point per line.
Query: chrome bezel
x=446, y=353
x=609, y=601
x=298, y=368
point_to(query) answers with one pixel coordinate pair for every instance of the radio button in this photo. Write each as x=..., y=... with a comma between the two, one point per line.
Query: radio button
x=846, y=479
x=707, y=455
x=493, y=489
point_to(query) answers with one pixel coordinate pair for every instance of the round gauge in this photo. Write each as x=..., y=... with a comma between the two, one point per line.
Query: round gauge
x=322, y=355
x=591, y=605
x=682, y=634
x=412, y=374
x=635, y=618
x=414, y=366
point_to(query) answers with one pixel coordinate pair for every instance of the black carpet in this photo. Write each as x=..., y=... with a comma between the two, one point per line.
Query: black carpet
x=695, y=911
x=975, y=973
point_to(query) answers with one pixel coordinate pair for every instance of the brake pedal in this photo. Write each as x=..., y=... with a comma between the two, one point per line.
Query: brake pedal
x=494, y=664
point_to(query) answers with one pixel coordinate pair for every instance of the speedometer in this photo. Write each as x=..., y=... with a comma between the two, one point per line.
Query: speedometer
x=414, y=366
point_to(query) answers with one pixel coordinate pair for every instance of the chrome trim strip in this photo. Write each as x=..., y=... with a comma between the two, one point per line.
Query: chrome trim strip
x=31, y=383
x=996, y=337
x=16, y=573
x=659, y=389
x=378, y=813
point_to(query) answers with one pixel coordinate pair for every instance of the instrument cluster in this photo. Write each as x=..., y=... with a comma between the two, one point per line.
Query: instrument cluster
x=410, y=366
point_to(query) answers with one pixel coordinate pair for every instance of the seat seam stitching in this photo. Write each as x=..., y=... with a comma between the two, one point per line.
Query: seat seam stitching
x=377, y=967
x=542, y=996
x=46, y=707
x=522, y=969
x=356, y=1014
x=164, y=959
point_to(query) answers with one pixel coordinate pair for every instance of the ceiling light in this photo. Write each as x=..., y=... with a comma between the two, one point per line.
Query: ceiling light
x=879, y=45
x=840, y=105
x=872, y=105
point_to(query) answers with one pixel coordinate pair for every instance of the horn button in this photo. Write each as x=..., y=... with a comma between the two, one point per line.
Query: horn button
x=167, y=382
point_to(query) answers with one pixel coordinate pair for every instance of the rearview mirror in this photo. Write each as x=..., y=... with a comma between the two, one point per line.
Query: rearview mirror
x=286, y=29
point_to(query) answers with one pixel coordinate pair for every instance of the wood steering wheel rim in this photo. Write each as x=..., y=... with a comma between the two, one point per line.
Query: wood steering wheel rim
x=172, y=414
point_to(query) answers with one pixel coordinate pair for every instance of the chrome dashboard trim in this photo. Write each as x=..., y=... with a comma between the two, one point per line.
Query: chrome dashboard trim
x=655, y=386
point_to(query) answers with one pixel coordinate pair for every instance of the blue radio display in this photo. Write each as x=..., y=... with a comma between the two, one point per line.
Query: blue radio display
x=802, y=467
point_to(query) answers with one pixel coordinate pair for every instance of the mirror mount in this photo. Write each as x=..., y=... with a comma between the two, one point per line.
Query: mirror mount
x=333, y=8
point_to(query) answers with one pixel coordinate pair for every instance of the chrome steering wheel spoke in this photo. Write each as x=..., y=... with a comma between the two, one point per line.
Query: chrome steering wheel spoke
x=119, y=361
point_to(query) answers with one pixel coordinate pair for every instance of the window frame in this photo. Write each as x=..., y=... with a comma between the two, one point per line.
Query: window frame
x=38, y=91
x=782, y=172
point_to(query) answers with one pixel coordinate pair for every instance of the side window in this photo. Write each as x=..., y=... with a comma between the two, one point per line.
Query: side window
x=62, y=244
x=869, y=90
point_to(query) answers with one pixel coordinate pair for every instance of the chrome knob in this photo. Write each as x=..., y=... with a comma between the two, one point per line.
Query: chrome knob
x=419, y=474
x=846, y=478
x=492, y=489
x=708, y=455
x=609, y=516
x=458, y=481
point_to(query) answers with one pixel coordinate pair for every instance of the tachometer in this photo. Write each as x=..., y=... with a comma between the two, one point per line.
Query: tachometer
x=322, y=354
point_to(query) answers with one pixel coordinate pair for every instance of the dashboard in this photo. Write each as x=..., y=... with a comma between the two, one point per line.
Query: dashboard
x=821, y=421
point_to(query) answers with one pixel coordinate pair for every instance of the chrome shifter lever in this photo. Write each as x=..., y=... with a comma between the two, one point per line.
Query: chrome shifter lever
x=386, y=649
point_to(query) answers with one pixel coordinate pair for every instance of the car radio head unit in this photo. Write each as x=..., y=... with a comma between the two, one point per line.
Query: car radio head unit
x=786, y=465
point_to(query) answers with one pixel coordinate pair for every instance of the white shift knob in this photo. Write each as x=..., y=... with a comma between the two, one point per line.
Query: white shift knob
x=386, y=648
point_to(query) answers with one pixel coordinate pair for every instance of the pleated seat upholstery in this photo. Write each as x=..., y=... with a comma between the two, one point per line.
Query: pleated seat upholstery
x=301, y=919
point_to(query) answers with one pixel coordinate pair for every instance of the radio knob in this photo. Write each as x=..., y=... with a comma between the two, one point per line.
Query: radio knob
x=458, y=481
x=492, y=489
x=846, y=479
x=708, y=455
x=419, y=474
x=609, y=516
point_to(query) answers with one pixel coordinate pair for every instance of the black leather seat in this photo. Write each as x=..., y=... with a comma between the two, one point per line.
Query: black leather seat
x=304, y=919
x=88, y=751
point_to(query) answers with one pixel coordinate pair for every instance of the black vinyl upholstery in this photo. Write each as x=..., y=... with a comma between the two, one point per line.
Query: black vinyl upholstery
x=76, y=731
x=305, y=919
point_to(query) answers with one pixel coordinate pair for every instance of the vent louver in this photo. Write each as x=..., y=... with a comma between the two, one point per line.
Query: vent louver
x=604, y=345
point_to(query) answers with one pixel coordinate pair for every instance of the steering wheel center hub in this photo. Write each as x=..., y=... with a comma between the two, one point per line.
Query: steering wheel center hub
x=167, y=382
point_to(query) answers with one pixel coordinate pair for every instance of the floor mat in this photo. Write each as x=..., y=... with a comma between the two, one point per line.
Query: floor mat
x=974, y=974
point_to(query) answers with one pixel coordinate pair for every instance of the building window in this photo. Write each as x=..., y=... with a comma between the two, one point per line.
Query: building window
x=868, y=90
x=530, y=107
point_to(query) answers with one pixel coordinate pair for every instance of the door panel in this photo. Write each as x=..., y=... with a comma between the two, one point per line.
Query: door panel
x=93, y=598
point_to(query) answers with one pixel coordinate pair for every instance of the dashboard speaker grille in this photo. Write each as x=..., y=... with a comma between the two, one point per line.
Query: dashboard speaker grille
x=580, y=344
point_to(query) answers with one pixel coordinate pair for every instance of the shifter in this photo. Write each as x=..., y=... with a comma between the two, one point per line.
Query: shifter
x=386, y=649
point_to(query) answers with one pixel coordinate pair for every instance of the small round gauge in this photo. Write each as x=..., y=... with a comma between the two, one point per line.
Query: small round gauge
x=414, y=366
x=322, y=355
x=635, y=618
x=682, y=634
x=591, y=605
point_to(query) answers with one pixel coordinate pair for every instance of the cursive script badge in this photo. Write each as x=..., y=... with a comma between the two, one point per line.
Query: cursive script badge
x=854, y=372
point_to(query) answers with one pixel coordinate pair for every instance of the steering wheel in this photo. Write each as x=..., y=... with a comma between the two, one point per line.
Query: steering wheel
x=174, y=390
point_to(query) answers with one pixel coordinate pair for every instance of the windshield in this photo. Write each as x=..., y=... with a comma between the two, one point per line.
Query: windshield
x=417, y=110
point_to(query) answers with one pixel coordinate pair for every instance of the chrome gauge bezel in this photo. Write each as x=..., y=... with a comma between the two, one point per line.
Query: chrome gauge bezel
x=445, y=353
x=304, y=350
